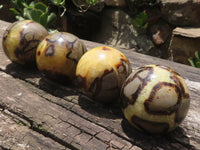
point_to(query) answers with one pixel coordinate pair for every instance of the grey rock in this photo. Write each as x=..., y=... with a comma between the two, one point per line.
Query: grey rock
x=184, y=43
x=116, y=30
x=123, y=40
x=181, y=12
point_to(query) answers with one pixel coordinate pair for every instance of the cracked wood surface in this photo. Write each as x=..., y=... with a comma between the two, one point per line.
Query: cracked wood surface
x=54, y=116
x=14, y=135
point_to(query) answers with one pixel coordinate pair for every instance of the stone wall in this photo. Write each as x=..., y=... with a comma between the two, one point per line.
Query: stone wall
x=165, y=20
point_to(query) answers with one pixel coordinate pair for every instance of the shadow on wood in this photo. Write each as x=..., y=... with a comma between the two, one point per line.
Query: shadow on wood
x=21, y=72
x=57, y=89
x=176, y=138
x=112, y=111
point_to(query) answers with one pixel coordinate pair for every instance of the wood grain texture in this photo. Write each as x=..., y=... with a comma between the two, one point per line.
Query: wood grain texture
x=14, y=134
x=62, y=114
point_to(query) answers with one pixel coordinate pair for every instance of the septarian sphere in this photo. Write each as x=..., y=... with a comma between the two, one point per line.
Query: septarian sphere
x=155, y=99
x=20, y=41
x=58, y=54
x=101, y=72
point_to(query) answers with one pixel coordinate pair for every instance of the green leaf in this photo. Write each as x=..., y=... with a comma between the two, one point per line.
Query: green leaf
x=197, y=54
x=140, y=20
x=15, y=11
x=41, y=6
x=1, y=6
x=198, y=64
x=35, y=15
x=191, y=61
x=19, y=4
x=145, y=26
x=58, y=2
x=25, y=5
x=19, y=18
x=92, y=2
x=43, y=19
x=31, y=5
x=52, y=30
x=51, y=19
x=27, y=13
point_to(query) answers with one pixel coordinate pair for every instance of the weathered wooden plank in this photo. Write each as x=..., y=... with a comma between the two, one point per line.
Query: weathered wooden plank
x=50, y=119
x=109, y=118
x=18, y=136
x=86, y=118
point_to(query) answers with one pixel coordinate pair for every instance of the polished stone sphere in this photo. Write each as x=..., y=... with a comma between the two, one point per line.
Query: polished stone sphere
x=155, y=99
x=20, y=41
x=101, y=72
x=58, y=54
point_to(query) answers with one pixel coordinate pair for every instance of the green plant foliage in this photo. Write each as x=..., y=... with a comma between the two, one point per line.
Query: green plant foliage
x=140, y=20
x=1, y=6
x=92, y=2
x=36, y=11
x=195, y=61
x=58, y=2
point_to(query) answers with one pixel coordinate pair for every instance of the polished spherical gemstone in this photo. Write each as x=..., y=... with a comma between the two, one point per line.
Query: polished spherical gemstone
x=58, y=54
x=155, y=99
x=20, y=41
x=101, y=72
